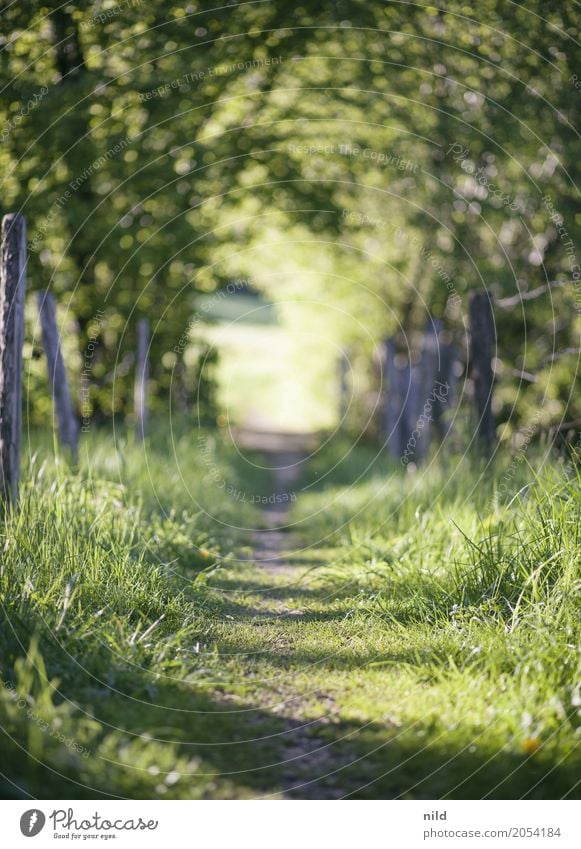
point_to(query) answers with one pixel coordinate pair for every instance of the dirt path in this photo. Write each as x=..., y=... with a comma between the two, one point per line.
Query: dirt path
x=286, y=455
x=307, y=763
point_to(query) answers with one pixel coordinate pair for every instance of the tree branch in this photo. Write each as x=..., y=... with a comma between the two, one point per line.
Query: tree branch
x=514, y=300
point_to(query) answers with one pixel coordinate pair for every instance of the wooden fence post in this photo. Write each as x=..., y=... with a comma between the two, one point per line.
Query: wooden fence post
x=12, y=288
x=141, y=378
x=68, y=426
x=344, y=399
x=182, y=399
x=422, y=398
x=392, y=401
x=481, y=354
x=398, y=378
x=446, y=379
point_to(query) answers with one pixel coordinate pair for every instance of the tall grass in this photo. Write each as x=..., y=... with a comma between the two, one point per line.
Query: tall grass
x=120, y=659
x=102, y=581
x=494, y=579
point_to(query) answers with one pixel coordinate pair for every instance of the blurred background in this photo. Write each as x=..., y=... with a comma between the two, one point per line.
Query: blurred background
x=281, y=190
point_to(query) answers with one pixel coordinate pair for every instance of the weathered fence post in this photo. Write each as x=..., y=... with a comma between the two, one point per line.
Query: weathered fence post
x=344, y=400
x=141, y=378
x=422, y=399
x=417, y=394
x=180, y=392
x=446, y=380
x=398, y=389
x=68, y=426
x=481, y=354
x=392, y=402
x=12, y=288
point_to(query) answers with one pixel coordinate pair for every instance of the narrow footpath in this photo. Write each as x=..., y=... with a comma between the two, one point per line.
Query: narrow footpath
x=284, y=597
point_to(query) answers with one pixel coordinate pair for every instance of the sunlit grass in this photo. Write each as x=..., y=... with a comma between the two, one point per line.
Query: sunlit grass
x=423, y=640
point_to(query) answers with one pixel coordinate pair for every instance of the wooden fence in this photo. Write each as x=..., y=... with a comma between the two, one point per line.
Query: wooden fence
x=13, y=258
x=419, y=391
x=421, y=385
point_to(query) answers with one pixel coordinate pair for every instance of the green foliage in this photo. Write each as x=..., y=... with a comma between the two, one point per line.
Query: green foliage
x=340, y=155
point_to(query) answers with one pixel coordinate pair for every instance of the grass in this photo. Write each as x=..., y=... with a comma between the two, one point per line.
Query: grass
x=421, y=639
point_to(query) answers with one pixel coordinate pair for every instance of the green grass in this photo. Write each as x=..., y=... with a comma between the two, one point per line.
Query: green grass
x=422, y=639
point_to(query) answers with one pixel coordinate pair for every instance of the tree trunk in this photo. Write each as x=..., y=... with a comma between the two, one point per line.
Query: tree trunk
x=12, y=288
x=68, y=426
x=141, y=378
x=482, y=342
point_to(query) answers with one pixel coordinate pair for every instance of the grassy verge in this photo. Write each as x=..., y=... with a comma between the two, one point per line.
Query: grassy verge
x=466, y=608
x=421, y=640
x=103, y=598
